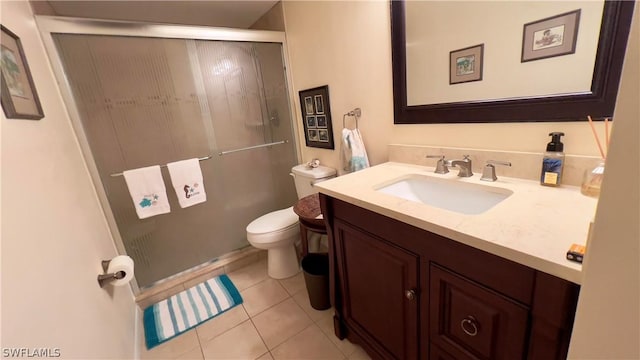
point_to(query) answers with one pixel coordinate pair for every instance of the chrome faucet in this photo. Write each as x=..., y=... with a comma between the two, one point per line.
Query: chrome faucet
x=441, y=166
x=464, y=165
x=489, y=172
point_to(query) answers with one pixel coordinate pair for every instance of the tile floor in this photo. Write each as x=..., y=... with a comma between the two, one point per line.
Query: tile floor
x=275, y=321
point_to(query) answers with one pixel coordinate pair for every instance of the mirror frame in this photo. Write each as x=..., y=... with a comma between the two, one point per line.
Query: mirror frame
x=599, y=102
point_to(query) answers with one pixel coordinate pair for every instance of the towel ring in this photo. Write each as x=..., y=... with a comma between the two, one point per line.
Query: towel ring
x=357, y=112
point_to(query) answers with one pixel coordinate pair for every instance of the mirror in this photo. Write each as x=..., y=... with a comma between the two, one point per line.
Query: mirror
x=444, y=100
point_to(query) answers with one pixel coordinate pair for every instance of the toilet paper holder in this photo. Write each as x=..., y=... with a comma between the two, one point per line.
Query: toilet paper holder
x=105, y=279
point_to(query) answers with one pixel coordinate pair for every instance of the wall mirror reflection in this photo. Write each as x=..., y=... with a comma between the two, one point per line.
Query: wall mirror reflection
x=542, y=61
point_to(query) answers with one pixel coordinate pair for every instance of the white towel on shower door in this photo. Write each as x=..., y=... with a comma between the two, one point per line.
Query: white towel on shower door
x=147, y=191
x=186, y=177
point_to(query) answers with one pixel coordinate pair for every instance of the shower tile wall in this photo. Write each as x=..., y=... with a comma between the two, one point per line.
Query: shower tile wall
x=143, y=102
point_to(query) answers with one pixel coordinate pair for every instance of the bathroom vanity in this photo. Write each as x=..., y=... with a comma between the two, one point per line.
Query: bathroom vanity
x=411, y=280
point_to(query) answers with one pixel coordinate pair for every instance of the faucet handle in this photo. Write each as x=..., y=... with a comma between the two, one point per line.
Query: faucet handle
x=441, y=166
x=489, y=171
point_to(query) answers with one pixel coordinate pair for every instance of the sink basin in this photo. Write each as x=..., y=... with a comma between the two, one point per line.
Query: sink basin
x=448, y=194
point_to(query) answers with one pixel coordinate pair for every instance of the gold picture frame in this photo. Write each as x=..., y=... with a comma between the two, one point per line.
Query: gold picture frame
x=19, y=96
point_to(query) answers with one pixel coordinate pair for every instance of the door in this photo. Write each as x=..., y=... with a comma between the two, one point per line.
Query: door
x=148, y=101
x=379, y=285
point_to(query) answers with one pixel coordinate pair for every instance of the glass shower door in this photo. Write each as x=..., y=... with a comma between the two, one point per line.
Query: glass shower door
x=147, y=101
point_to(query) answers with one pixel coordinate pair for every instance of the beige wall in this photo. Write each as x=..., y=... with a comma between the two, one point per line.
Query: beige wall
x=54, y=234
x=347, y=45
x=608, y=318
x=273, y=20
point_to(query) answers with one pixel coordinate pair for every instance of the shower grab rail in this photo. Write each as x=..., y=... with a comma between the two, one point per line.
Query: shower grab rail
x=253, y=147
x=163, y=166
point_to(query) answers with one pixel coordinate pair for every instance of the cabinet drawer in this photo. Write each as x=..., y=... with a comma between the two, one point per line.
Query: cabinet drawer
x=471, y=321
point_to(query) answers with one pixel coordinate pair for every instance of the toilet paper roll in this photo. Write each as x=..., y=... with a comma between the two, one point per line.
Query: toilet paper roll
x=121, y=263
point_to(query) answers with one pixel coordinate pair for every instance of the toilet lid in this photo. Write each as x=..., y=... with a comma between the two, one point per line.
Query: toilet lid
x=273, y=221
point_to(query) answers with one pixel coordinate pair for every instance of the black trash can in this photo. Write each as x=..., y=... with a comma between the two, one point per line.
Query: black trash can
x=316, y=277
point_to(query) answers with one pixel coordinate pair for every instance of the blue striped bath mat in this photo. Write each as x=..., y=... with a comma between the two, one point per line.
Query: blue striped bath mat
x=183, y=311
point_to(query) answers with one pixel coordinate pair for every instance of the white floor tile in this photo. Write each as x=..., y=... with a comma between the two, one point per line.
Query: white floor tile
x=309, y=344
x=263, y=296
x=241, y=342
x=280, y=322
x=250, y=275
x=294, y=284
x=221, y=323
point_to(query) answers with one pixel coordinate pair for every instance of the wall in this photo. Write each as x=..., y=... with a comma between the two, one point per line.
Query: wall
x=272, y=20
x=347, y=45
x=54, y=233
x=608, y=318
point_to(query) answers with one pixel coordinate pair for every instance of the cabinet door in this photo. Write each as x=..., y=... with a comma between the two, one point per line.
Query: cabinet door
x=435, y=353
x=379, y=291
x=473, y=322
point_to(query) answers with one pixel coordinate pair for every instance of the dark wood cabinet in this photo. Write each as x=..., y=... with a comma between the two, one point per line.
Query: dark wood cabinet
x=379, y=282
x=405, y=293
x=472, y=321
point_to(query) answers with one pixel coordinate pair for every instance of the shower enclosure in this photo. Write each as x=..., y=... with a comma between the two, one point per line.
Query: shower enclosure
x=144, y=95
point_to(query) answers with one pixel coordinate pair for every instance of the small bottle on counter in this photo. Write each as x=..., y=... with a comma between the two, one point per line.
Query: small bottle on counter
x=553, y=161
x=592, y=181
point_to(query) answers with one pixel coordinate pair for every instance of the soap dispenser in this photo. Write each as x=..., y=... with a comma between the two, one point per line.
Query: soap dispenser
x=553, y=161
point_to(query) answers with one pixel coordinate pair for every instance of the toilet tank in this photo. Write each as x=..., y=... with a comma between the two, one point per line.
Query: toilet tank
x=304, y=178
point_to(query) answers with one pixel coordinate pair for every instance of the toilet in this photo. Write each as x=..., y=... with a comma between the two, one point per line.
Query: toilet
x=278, y=231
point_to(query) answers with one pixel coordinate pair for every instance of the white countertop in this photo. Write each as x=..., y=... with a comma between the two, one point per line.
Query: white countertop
x=535, y=226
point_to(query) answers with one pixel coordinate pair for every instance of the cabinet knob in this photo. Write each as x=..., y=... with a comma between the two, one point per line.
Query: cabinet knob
x=410, y=294
x=469, y=325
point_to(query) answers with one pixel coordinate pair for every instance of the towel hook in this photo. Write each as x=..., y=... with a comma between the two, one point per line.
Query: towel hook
x=357, y=112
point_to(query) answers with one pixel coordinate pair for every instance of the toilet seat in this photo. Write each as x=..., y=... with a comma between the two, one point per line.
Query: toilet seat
x=273, y=226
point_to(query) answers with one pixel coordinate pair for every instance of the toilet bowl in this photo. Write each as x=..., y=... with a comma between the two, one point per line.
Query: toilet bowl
x=278, y=231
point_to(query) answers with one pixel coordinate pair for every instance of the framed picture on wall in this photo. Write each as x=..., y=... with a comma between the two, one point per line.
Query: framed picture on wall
x=316, y=117
x=465, y=65
x=311, y=122
x=553, y=36
x=19, y=97
x=319, y=104
x=308, y=105
x=321, y=121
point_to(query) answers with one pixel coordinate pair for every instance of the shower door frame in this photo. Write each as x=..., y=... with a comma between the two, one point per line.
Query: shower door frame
x=49, y=25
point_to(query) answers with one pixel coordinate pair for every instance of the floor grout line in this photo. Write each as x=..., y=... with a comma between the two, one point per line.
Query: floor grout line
x=260, y=335
x=199, y=342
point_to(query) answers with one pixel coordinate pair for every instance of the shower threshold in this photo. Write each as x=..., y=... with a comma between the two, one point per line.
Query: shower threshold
x=222, y=264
